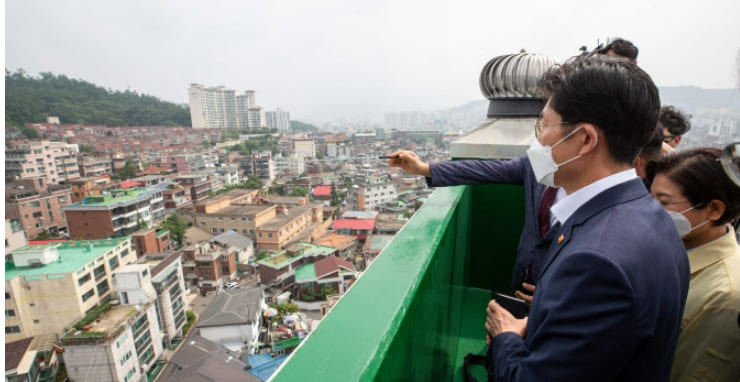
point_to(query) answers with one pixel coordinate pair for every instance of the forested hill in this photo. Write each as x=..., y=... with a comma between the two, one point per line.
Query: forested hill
x=32, y=99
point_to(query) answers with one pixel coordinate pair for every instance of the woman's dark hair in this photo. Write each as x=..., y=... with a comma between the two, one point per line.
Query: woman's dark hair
x=616, y=96
x=701, y=178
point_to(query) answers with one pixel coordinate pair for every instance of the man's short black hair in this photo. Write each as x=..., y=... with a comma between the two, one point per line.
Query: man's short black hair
x=616, y=96
x=652, y=149
x=622, y=48
x=674, y=120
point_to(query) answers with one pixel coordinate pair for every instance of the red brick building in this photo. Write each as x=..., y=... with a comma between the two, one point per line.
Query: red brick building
x=209, y=266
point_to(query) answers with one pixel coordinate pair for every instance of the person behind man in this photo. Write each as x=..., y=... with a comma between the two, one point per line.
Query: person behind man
x=620, y=48
x=703, y=201
x=675, y=124
x=612, y=289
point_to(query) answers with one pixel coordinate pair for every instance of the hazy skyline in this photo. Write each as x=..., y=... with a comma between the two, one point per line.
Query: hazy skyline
x=326, y=60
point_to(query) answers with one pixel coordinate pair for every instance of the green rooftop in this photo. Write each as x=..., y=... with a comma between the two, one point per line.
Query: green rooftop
x=117, y=197
x=305, y=273
x=72, y=256
x=282, y=258
x=161, y=232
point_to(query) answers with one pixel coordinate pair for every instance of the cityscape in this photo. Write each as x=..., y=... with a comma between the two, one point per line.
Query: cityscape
x=217, y=236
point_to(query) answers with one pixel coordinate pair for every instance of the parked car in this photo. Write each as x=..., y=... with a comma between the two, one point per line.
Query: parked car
x=232, y=285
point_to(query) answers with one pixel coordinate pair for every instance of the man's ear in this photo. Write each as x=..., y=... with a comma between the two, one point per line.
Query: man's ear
x=591, y=139
x=677, y=139
x=641, y=167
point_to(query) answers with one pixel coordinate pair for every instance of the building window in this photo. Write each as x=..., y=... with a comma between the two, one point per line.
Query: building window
x=9, y=313
x=37, y=214
x=269, y=235
x=12, y=329
x=215, y=230
x=35, y=204
x=113, y=263
x=7, y=296
x=88, y=294
x=82, y=280
x=36, y=321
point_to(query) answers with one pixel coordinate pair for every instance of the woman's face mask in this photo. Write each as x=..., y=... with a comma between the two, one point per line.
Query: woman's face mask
x=683, y=225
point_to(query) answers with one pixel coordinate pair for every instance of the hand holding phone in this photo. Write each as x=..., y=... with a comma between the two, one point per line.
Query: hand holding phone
x=516, y=306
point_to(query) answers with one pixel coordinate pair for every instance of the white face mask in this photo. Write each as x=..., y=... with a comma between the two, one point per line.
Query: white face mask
x=683, y=225
x=540, y=158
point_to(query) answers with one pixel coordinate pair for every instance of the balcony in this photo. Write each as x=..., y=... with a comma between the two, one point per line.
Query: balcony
x=420, y=308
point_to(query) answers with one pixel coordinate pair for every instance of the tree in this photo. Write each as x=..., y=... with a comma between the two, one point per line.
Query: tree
x=177, y=227
x=299, y=191
x=85, y=148
x=29, y=132
x=334, y=196
x=277, y=189
x=128, y=171
x=253, y=182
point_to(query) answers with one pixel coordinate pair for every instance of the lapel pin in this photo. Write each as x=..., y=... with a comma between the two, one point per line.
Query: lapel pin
x=561, y=238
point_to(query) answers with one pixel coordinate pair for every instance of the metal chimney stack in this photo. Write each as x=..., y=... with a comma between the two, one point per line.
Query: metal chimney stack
x=511, y=84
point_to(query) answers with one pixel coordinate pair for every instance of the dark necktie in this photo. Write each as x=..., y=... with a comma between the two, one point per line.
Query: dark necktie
x=548, y=197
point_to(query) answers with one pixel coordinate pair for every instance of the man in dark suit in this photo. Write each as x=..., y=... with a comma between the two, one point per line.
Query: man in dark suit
x=613, y=284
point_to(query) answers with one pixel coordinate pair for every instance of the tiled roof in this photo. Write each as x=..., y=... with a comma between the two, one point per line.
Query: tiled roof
x=232, y=307
x=14, y=352
x=322, y=191
x=337, y=241
x=354, y=224
x=331, y=264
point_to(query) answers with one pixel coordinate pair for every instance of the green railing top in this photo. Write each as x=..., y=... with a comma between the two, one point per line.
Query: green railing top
x=353, y=340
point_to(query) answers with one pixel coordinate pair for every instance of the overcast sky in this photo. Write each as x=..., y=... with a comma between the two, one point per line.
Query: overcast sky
x=325, y=60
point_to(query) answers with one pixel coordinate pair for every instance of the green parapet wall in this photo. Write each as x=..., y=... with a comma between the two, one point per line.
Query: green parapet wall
x=420, y=307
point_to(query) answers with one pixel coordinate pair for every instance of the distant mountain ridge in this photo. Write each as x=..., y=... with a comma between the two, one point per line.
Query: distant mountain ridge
x=690, y=98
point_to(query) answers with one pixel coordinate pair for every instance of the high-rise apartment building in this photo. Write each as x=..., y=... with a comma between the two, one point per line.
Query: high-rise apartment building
x=221, y=108
x=56, y=162
x=278, y=119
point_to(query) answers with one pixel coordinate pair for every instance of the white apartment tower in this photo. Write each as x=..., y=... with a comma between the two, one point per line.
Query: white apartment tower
x=218, y=107
x=278, y=119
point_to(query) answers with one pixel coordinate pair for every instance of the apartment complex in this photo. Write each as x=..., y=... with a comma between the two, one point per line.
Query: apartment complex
x=127, y=336
x=271, y=224
x=220, y=108
x=94, y=166
x=49, y=286
x=37, y=209
x=119, y=213
x=55, y=162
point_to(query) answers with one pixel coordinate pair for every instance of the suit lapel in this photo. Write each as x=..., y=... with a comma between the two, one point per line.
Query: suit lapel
x=621, y=193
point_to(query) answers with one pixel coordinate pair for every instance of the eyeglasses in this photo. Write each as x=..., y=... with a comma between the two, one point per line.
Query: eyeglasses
x=539, y=126
x=669, y=138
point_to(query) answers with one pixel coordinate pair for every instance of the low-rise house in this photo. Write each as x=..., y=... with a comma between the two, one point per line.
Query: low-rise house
x=243, y=245
x=232, y=319
x=209, y=266
x=344, y=244
x=278, y=269
x=31, y=359
x=149, y=240
x=359, y=228
x=330, y=273
x=374, y=246
x=37, y=208
x=202, y=360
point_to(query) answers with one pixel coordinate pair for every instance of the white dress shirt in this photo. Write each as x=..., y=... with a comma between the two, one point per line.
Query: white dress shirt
x=562, y=209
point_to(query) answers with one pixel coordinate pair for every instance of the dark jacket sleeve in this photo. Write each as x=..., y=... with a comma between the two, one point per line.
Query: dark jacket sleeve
x=585, y=315
x=466, y=172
